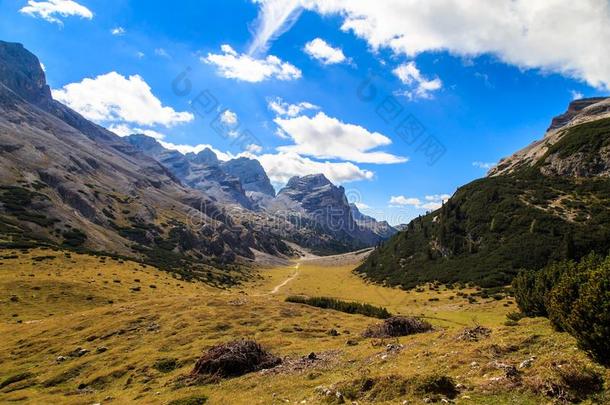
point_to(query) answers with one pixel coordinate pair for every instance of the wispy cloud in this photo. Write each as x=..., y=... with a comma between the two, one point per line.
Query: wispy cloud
x=323, y=52
x=418, y=85
x=430, y=202
x=53, y=10
x=232, y=65
x=484, y=165
x=118, y=31
x=275, y=17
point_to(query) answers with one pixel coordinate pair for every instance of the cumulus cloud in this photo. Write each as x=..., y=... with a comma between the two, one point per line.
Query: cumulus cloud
x=320, y=50
x=484, y=165
x=430, y=203
x=126, y=130
x=576, y=95
x=118, y=31
x=325, y=137
x=284, y=109
x=402, y=200
x=232, y=65
x=254, y=148
x=280, y=167
x=53, y=10
x=228, y=117
x=113, y=99
x=562, y=36
x=418, y=85
x=274, y=18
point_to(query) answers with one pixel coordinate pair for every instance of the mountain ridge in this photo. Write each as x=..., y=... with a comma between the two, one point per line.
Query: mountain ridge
x=547, y=202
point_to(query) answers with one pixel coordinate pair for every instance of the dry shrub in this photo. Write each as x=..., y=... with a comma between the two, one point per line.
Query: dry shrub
x=397, y=326
x=441, y=385
x=568, y=381
x=474, y=334
x=234, y=359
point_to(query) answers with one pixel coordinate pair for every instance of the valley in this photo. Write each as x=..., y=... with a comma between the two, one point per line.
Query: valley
x=91, y=329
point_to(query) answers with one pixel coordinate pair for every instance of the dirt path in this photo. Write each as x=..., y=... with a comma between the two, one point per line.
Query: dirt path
x=276, y=289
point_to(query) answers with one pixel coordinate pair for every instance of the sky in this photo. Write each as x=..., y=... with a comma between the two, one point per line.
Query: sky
x=399, y=101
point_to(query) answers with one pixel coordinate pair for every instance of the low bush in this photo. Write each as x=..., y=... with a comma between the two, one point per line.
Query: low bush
x=195, y=400
x=234, y=359
x=575, y=297
x=397, y=326
x=343, y=306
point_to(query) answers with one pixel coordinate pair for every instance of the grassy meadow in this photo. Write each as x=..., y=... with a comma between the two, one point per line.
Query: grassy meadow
x=81, y=329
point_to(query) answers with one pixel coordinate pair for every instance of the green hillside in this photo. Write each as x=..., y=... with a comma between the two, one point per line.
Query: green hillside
x=495, y=226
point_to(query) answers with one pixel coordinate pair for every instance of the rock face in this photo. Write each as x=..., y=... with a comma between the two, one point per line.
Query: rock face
x=380, y=228
x=315, y=203
x=309, y=211
x=66, y=180
x=201, y=171
x=251, y=174
x=572, y=162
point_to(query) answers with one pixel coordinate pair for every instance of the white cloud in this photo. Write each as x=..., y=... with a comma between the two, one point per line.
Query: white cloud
x=431, y=206
x=284, y=109
x=437, y=197
x=161, y=52
x=43, y=67
x=323, y=52
x=52, y=10
x=140, y=54
x=126, y=130
x=433, y=202
x=228, y=117
x=576, y=95
x=232, y=65
x=274, y=18
x=361, y=206
x=254, y=148
x=118, y=31
x=114, y=99
x=325, y=137
x=402, y=200
x=282, y=166
x=562, y=36
x=418, y=85
x=484, y=165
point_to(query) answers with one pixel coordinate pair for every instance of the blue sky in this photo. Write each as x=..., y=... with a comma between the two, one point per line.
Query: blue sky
x=288, y=88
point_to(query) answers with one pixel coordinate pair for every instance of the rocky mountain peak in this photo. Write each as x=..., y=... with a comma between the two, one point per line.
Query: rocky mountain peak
x=144, y=143
x=205, y=157
x=308, y=182
x=574, y=109
x=569, y=161
x=252, y=175
x=20, y=71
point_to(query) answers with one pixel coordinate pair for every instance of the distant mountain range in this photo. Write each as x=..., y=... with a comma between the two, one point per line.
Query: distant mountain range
x=309, y=210
x=67, y=181
x=547, y=202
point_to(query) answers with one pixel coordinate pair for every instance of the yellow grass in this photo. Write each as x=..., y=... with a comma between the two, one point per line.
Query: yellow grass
x=63, y=303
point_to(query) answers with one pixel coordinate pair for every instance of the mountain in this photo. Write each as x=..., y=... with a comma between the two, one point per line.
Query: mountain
x=67, y=181
x=251, y=175
x=200, y=171
x=380, y=228
x=548, y=202
x=309, y=211
x=320, y=210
